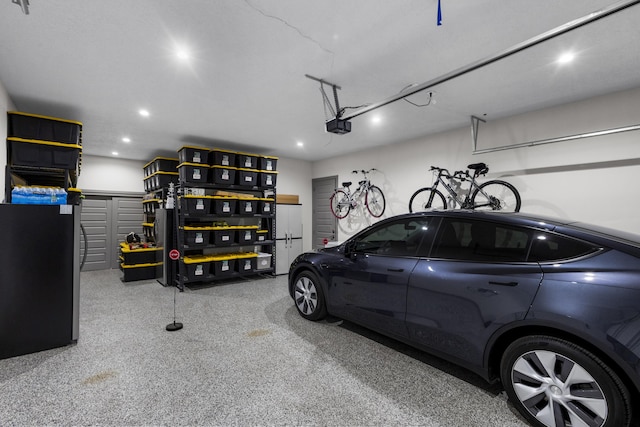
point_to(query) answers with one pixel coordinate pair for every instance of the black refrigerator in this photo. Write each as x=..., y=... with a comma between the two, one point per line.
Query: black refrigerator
x=39, y=277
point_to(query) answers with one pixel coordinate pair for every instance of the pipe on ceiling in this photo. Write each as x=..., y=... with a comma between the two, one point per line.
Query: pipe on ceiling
x=569, y=26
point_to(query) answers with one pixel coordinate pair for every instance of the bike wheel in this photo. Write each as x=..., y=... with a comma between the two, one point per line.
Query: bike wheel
x=427, y=198
x=340, y=204
x=374, y=200
x=496, y=196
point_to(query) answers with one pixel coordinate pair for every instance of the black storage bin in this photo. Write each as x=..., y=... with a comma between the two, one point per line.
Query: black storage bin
x=141, y=271
x=223, y=175
x=43, y=154
x=193, y=173
x=149, y=206
x=148, y=169
x=74, y=196
x=193, y=155
x=247, y=206
x=246, y=234
x=196, y=267
x=164, y=164
x=140, y=255
x=196, y=205
x=247, y=161
x=247, y=177
x=268, y=163
x=262, y=235
x=223, y=205
x=223, y=265
x=222, y=158
x=149, y=231
x=224, y=236
x=33, y=126
x=160, y=180
x=268, y=179
x=267, y=206
x=197, y=236
x=147, y=183
x=246, y=263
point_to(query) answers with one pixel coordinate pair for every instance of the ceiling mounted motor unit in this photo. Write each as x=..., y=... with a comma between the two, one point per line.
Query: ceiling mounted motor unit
x=339, y=126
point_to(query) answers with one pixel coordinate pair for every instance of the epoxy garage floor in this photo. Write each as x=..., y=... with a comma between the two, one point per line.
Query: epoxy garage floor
x=244, y=357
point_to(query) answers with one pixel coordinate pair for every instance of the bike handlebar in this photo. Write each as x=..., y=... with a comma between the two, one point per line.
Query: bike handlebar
x=364, y=172
x=441, y=171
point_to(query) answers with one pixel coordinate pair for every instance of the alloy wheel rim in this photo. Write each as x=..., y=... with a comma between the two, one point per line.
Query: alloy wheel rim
x=306, y=296
x=558, y=391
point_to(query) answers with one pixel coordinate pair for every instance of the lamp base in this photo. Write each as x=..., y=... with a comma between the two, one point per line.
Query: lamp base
x=174, y=326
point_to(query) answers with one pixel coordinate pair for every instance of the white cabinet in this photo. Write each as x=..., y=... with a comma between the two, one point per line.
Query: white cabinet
x=288, y=236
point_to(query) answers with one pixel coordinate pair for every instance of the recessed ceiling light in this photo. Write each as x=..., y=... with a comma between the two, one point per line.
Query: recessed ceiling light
x=566, y=57
x=376, y=120
x=126, y=139
x=182, y=54
x=300, y=144
x=115, y=153
x=144, y=113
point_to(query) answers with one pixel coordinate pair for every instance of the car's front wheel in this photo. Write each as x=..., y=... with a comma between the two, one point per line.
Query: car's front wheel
x=309, y=297
x=555, y=383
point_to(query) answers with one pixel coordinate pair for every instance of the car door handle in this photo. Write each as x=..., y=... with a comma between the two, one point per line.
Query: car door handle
x=504, y=283
x=395, y=270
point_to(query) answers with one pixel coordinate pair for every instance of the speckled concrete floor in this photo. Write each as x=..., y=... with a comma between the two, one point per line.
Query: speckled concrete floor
x=244, y=357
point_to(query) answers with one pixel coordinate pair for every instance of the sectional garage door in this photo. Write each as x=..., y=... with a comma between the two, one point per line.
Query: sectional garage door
x=106, y=220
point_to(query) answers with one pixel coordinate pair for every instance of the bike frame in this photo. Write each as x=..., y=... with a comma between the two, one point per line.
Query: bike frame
x=363, y=187
x=457, y=199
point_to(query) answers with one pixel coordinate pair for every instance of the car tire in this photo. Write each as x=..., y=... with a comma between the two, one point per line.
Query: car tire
x=309, y=296
x=547, y=380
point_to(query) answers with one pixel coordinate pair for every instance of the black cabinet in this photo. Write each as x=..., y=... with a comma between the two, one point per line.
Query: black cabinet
x=39, y=277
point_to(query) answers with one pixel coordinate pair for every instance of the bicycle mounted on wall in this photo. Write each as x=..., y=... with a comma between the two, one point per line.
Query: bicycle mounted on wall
x=343, y=200
x=491, y=195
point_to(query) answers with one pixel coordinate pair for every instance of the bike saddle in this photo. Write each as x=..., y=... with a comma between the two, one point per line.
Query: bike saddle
x=479, y=168
x=361, y=182
x=476, y=166
x=346, y=184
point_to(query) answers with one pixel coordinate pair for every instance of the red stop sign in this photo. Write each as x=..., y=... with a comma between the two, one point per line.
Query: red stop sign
x=174, y=254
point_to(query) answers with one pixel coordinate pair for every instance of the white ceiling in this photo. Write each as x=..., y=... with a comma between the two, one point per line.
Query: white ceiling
x=244, y=87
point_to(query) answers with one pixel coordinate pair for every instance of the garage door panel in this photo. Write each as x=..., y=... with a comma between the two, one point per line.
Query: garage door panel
x=106, y=221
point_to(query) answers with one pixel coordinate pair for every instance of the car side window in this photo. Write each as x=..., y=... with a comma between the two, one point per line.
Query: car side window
x=548, y=247
x=401, y=238
x=472, y=240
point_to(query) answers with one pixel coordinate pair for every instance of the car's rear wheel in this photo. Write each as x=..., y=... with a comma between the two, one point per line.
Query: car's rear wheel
x=555, y=383
x=309, y=297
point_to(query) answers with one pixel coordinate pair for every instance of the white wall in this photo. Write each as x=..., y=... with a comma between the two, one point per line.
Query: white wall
x=590, y=179
x=5, y=105
x=110, y=174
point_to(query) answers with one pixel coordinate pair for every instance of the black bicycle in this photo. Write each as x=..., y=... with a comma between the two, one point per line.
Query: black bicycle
x=491, y=195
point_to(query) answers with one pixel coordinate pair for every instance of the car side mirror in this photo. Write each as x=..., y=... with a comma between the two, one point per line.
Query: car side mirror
x=349, y=248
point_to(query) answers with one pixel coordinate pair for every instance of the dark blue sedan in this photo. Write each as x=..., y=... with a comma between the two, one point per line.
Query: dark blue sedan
x=550, y=308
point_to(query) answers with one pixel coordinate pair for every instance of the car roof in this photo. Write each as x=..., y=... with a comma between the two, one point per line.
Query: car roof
x=515, y=218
